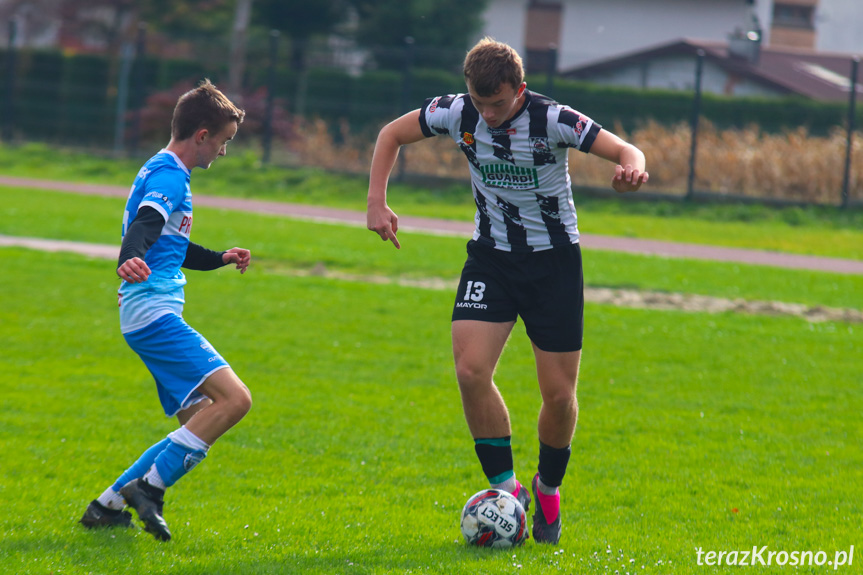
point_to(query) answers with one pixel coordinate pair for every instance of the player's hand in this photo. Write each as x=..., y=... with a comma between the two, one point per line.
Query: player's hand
x=239, y=256
x=134, y=271
x=628, y=179
x=383, y=221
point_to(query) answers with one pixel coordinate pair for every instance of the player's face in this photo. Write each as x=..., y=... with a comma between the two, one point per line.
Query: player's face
x=215, y=145
x=500, y=106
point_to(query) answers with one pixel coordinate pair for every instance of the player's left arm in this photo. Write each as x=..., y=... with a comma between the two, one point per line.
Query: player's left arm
x=630, y=172
x=202, y=259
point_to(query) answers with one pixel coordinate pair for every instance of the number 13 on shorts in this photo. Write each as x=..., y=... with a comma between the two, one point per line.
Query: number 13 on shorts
x=474, y=291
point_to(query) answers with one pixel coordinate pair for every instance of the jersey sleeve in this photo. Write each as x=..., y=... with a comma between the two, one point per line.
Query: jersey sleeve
x=141, y=235
x=437, y=116
x=575, y=130
x=164, y=191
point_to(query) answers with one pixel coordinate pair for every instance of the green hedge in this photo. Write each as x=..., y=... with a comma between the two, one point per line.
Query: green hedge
x=72, y=98
x=631, y=107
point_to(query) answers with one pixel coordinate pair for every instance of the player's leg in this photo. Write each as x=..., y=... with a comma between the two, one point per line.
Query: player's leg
x=477, y=346
x=107, y=509
x=554, y=322
x=192, y=380
x=558, y=375
x=228, y=402
x=483, y=316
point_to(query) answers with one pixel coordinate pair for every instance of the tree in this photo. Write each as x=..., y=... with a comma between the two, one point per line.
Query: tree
x=237, y=60
x=441, y=30
x=299, y=20
x=187, y=17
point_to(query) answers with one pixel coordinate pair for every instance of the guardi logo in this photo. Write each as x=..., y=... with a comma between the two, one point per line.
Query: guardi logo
x=508, y=176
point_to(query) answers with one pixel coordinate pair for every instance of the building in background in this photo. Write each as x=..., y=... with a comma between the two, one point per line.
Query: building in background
x=740, y=67
x=586, y=31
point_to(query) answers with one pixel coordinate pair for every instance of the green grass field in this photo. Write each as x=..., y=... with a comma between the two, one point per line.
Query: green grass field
x=717, y=432
x=811, y=230
x=720, y=432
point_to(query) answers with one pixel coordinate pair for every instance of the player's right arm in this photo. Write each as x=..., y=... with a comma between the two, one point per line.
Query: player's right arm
x=379, y=217
x=142, y=233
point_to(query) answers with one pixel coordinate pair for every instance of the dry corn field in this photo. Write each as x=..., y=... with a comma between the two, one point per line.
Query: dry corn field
x=791, y=166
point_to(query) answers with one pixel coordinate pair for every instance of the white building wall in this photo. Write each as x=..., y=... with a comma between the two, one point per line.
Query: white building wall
x=678, y=73
x=505, y=22
x=839, y=25
x=594, y=30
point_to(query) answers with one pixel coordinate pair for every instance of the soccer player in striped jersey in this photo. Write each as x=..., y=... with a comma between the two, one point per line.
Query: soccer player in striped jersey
x=524, y=258
x=193, y=380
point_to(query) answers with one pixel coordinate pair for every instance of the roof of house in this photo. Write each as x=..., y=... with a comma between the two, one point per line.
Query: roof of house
x=816, y=75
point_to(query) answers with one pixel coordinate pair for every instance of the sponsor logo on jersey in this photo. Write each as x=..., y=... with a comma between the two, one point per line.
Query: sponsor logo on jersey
x=502, y=131
x=162, y=198
x=433, y=105
x=510, y=177
x=471, y=304
x=185, y=225
x=579, y=126
x=467, y=138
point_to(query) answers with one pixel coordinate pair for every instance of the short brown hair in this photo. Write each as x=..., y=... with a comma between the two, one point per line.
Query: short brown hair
x=203, y=107
x=490, y=64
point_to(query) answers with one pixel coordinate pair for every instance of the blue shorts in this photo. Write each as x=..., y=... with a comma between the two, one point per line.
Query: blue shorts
x=179, y=358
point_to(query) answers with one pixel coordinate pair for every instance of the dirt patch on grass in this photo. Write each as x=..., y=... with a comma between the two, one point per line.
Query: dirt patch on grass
x=637, y=298
x=610, y=296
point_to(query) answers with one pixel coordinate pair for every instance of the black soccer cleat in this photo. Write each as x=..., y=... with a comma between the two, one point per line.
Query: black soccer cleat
x=97, y=515
x=147, y=501
x=543, y=532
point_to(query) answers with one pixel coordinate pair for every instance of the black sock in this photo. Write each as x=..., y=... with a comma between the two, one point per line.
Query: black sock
x=552, y=464
x=495, y=456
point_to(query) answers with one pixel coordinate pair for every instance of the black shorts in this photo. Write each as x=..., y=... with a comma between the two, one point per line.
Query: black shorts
x=545, y=288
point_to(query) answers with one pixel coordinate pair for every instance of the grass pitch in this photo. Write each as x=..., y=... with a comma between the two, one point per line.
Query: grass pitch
x=718, y=432
x=697, y=432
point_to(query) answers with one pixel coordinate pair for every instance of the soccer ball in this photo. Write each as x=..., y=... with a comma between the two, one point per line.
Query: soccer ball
x=493, y=518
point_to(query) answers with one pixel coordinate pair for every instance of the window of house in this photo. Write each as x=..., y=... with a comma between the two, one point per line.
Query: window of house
x=542, y=34
x=793, y=16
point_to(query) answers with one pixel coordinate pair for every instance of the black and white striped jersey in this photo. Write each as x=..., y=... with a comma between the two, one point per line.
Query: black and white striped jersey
x=519, y=171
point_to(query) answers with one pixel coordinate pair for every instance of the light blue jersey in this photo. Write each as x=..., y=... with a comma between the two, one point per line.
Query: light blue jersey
x=162, y=184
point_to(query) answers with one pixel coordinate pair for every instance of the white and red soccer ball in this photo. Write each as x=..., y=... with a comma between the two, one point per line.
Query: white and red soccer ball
x=493, y=518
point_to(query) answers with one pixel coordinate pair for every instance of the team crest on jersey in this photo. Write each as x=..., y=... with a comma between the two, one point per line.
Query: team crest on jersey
x=510, y=177
x=467, y=138
x=541, y=150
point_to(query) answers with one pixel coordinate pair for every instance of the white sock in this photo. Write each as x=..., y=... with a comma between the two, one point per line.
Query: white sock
x=545, y=489
x=509, y=485
x=153, y=478
x=188, y=439
x=112, y=499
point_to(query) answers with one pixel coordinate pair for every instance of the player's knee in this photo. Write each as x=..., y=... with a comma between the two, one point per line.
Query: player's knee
x=561, y=400
x=471, y=376
x=243, y=401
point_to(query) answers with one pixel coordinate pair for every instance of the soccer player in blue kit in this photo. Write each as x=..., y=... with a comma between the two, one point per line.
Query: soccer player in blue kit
x=194, y=382
x=524, y=258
